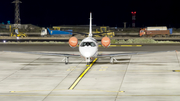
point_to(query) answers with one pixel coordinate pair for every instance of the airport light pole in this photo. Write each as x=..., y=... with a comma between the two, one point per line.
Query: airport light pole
x=125, y=24
x=17, y=11
x=133, y=18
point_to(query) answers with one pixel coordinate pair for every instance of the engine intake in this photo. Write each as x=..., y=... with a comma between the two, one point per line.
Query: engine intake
x=105, y=41
x=73, y=42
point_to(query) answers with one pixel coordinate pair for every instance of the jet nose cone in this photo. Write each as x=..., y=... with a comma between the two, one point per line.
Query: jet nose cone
x=87, y=51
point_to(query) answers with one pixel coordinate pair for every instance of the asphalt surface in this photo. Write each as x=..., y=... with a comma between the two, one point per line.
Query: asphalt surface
x=145, y=77
x=66, y=47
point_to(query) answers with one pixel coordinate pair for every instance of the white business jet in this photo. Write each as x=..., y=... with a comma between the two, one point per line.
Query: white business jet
x=88, y=48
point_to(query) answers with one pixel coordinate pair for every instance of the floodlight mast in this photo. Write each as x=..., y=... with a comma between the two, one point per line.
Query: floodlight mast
x=17, y=12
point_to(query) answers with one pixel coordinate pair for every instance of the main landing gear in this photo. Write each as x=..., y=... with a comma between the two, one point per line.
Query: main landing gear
x=66, y=59
x=112, y=60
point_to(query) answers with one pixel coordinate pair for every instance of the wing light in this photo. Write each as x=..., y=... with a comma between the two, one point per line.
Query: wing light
x=106, y=42
x=73, y=41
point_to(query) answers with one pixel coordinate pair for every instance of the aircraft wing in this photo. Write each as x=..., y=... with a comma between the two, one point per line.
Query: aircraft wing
x=99, y=55
x=133, y=53
x=52, y=54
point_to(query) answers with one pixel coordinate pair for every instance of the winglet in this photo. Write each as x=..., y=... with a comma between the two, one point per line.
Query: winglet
x=90, y=25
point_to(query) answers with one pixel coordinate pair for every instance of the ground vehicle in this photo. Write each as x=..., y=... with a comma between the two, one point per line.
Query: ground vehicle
x=98, y=31
x=155, y=31
x=48, y=32
x=104, y=31
x=15, y=32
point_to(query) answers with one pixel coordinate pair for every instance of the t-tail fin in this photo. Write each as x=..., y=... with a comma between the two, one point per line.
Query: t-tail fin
x=90, y=25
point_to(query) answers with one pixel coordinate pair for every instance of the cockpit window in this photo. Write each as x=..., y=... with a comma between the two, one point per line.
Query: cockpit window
x=92, y=44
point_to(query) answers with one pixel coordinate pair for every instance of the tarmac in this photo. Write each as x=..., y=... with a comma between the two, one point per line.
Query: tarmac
x=145, y=77
x=66, y=47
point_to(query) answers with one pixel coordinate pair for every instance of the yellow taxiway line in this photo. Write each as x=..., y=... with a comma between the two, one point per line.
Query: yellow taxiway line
x=28, y=91
x=123, y=46
x=81, y=76
x=176, y=70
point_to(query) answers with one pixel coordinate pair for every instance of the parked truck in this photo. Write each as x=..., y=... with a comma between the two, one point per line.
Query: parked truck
x=99, y=31
x=155, y=31
x=48, y=32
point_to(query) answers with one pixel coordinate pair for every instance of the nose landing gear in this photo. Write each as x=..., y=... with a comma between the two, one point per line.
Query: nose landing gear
x=88, y=60
x=66, y=59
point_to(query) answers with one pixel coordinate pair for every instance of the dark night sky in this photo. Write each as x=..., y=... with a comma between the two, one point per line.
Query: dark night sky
x=105, y=12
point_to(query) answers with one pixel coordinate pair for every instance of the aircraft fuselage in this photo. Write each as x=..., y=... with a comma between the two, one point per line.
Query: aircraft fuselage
x=88, y=47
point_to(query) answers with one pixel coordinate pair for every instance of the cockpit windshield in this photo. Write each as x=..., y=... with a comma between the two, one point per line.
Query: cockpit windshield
x=92, y=44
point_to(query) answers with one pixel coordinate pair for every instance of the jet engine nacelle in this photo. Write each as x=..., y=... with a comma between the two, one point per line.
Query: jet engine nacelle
x=73, y=42
x=105, y=41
